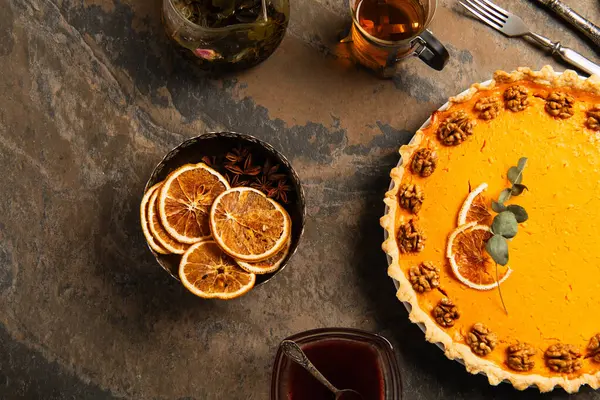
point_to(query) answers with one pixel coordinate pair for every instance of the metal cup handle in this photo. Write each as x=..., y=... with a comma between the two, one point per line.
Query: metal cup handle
x=430, y=50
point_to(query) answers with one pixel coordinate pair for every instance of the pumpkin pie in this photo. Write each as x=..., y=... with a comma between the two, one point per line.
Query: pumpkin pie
x=492, y=229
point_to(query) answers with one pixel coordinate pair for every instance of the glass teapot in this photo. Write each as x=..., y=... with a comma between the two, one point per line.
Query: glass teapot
x=240, y=40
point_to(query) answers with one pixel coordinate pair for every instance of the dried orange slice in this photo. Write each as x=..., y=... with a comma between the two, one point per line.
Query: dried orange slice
x=154, y=245
x=476, y=208
x=248, y=225
x=471, y=264
x=185, y=199
x=269, y=265
x=158, y=231
x=208, y=272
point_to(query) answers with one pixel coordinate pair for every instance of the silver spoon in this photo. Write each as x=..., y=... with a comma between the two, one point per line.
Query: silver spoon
x=295, y=353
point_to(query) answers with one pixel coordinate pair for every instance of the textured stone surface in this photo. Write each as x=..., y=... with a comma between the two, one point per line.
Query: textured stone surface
x=92, y=96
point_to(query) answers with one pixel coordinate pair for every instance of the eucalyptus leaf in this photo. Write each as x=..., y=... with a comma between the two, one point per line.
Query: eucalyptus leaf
x=504, y=195
x=505, y=224
x=515, y=175
x=497, y=248
x=517, y=189
x=498, y=207
x=521, y=164
x=519, y=212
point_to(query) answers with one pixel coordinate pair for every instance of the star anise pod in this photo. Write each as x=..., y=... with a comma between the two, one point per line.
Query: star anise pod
x=235, y=181
x=280, y=191
x=270, y=171
x=209, y=160
x=234, y=169
x=262, y=184
x=237, y=155
x=277, y=177
x=250, y=169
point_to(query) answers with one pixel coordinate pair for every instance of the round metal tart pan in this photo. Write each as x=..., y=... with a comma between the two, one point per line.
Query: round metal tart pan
x=217, y=144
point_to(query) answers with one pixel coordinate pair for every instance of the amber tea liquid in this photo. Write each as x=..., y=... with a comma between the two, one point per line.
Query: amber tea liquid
x=391, y=20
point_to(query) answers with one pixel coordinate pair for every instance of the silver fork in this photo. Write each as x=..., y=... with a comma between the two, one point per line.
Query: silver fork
x=513, y=26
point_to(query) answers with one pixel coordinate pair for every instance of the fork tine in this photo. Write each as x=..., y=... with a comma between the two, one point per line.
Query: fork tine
x=497, y=8
x=481, y=17
x=489, y=10
x=483, y=10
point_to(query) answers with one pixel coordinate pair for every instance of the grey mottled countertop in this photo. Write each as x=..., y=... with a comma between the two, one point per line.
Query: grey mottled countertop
x=92, y=96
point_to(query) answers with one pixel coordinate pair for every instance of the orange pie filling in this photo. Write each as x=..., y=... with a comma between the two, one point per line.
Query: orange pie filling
x=549, y=322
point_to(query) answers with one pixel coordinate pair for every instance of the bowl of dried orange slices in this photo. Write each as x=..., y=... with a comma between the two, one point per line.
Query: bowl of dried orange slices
x=223, y=212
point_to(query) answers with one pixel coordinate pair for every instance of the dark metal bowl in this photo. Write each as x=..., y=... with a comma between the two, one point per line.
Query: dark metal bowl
x=217, y=144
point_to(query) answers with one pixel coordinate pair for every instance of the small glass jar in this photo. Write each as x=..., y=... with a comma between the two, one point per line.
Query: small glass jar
x=231, y=47
x=348, y=358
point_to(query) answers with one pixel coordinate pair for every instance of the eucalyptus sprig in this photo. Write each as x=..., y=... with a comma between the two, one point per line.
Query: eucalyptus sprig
x=506, y=224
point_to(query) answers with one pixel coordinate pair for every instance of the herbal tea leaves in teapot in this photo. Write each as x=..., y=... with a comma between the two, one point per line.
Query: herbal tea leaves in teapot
x=219, y=13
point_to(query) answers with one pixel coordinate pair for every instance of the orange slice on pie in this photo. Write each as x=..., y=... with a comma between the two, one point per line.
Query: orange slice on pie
x=269, y=265
x=476, y=208
x=470, y=262
x=154, y=245
x=159, y=232
x=185, y=199
x=206, y=271
x=248, y=225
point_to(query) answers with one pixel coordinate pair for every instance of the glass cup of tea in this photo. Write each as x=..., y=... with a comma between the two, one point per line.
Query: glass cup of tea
x=385, y=32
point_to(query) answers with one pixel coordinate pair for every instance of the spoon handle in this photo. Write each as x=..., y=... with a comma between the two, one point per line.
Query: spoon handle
x=295, y=353
x=579, y=22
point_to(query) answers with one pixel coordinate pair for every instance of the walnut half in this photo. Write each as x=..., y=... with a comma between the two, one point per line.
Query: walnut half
x=424, y=277
x=563, y=358
x=424, y=162
x=593, y=118
x=560, y=105
x=410, y=238
x=455, y=129
x=520, y=357
x=481, y=340
x=516, y=98
x=410, y=197
x=446, y=313
x=488, y=107
x=594, y=348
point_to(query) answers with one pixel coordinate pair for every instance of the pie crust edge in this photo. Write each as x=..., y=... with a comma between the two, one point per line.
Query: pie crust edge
x=433, y=333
